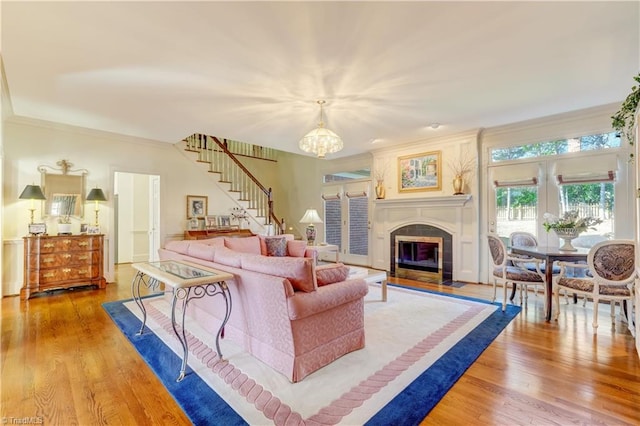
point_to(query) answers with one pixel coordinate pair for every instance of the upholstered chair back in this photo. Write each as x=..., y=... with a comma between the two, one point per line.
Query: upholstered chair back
x=613, y=262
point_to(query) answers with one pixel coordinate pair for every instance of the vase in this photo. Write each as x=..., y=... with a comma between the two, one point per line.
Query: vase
x=567, y=235
x=458, y=185
x=64, y=229
x=380, y=192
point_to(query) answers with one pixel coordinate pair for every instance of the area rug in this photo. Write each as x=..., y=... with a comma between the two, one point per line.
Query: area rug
x=418, y=344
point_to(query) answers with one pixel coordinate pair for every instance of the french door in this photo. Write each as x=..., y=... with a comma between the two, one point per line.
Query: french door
x=346, y=212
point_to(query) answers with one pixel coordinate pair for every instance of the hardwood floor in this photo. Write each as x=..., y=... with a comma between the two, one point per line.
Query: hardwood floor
x=64, y=362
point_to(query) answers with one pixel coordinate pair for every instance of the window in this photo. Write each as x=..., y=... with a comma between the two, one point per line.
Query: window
x=561, y=146
x=333, y=221
x=590, y=199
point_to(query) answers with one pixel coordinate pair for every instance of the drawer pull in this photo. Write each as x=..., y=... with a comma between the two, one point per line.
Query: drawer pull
x=66, y=255
x=66, y=241
x=85, y=257
x=49, y=275
x=48, y=259
x=48, y=245
x=83, y=243
x=83, y=272
x=66, y=270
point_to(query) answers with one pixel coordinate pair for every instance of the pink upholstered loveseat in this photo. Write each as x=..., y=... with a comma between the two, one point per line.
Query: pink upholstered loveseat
x=279, y=313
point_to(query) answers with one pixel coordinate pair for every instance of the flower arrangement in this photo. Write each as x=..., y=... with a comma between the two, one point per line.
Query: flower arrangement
x=570, y=220
x=462, y=166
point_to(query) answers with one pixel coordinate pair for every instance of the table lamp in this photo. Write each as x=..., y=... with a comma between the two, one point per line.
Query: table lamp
x=96, y=195
x=311, y=217
x=32, y=192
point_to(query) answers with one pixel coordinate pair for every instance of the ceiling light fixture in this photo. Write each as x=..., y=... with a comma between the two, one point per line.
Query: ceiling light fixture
x=321, y=141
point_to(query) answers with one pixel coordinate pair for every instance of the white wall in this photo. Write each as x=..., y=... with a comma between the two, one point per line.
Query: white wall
x=29, y=144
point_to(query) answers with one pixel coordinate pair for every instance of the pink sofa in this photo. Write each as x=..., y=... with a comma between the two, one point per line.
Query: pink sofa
x=279, y=312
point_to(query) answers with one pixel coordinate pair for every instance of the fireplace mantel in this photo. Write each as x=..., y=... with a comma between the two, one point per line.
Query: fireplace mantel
x=447, y=201
x=453, y=214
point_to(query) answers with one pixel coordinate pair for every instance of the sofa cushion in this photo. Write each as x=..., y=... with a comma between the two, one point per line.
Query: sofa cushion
x=181, y=247
x=201, y=251
x=216, y=241
x=299, y=271
x=276, y=246
x=243, y=245
x=296, y=248
x=227, y=257
x=331, y=273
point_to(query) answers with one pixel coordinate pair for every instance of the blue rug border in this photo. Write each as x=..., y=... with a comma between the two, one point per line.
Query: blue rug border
x=410, y=407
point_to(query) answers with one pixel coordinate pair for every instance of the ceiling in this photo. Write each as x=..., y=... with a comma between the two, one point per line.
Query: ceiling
x=253, y=71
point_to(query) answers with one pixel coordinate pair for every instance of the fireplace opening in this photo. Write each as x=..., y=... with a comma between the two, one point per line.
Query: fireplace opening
x=418, y=258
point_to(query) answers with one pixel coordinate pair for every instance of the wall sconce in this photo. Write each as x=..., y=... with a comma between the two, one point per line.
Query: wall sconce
x=96, y=195
x=32, y=192
x=311, y=216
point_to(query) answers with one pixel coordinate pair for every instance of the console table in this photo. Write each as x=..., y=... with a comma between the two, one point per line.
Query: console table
x=55, y=262
x=187, y=281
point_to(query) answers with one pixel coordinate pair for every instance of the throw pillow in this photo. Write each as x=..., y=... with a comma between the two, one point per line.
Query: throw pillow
x=296, y=248
x=332, y=273
x=276, y=246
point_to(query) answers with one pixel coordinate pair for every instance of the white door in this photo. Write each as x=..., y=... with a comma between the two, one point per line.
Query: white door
x=347, y=225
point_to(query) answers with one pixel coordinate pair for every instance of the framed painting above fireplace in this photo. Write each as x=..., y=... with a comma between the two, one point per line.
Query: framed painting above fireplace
x=420, y=172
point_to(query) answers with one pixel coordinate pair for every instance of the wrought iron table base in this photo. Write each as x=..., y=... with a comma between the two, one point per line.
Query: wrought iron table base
x=184, y=295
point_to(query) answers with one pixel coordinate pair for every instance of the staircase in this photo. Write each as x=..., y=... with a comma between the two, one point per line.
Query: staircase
x=222, y=158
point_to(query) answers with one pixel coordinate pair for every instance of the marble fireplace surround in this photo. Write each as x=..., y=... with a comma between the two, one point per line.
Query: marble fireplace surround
x=437, y=216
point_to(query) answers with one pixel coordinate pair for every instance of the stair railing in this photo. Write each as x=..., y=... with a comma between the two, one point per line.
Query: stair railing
x=221, y=160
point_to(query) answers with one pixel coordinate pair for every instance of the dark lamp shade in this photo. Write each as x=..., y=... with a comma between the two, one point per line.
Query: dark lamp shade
x=32, y=192
x=96, y=194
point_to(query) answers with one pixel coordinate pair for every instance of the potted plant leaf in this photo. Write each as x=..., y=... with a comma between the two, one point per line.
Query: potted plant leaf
x=624, y=120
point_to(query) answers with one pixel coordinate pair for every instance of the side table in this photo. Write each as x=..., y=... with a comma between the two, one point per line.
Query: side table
x=326, y=248
x=187, y=281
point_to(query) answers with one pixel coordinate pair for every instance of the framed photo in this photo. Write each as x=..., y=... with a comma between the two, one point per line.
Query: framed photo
x=211, y=222
x=92, y=229
x=420, y=172
x=37, y=228
x=224, y=221
x=83, y=228
x=193, y=224
x=197, y=206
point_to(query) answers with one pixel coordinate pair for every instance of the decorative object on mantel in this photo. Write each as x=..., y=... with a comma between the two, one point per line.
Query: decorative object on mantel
x=624, y=120
x=311, y=217
x=569, y=226
x=379, y=174
x=32, y=192
x=321, y=141
x=461, y=167
x=420, y=172
x=96, y=195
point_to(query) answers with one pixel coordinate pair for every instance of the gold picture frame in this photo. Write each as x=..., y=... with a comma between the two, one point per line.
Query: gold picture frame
x=197, y=206
x=420, y=172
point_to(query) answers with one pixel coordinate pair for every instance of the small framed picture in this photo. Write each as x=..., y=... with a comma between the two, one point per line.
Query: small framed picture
x=193, y=224
x=83, y=228
x=92, y=229
x=224, y=221
x=37, y=228
x=197, y=206
x=211, y=222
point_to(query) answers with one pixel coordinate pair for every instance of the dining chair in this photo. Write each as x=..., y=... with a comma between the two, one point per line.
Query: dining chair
x=608, y=276
x=524, y=239
x=509, y=269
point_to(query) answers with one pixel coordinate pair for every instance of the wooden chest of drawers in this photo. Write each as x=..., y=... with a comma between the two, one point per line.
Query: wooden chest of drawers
x=53, y=262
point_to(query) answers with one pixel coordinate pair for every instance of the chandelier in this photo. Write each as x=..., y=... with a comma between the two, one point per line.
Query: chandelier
x=321, y=141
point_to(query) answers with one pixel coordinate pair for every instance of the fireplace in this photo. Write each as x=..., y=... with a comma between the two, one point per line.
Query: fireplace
x=418, y=258
x=421, y=252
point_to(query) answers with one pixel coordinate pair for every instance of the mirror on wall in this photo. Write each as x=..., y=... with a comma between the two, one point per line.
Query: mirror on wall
x=64, y=190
